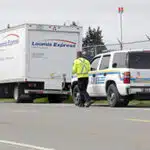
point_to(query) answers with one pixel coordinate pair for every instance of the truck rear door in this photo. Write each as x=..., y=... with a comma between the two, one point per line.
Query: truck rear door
x=51, y=56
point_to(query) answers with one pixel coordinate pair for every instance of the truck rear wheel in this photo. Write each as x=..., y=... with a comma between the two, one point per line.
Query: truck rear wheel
x=76, y=95
x=113, y=96
x=19, y=95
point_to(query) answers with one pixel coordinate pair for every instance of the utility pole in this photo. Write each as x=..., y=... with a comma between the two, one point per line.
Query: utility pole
x=8, y=26
x=121, y=10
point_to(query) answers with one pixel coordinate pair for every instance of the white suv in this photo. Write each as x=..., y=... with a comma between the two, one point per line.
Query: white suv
x=118, y=76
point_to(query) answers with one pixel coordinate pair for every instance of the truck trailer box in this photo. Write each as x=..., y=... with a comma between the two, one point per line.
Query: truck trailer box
x=37, y=59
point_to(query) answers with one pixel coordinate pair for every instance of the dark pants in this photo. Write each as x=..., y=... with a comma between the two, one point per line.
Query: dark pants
x=82, y=84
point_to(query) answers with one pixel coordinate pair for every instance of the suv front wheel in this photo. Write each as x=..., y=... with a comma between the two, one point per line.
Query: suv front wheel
x=113, y=96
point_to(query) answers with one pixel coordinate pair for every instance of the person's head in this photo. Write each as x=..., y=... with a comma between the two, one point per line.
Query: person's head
x=79, y=54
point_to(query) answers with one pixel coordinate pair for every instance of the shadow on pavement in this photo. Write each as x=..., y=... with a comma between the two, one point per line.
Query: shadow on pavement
x=134, y=106
x=129, y=106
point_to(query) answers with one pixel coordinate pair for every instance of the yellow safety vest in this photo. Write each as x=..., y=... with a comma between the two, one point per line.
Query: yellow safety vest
x=81, y=67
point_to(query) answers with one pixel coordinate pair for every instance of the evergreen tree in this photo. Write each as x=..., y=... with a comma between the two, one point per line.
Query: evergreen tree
x=94, y=37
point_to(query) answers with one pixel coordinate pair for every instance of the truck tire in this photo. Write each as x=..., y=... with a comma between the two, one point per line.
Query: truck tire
x=53, y=98
x=113, y=96
x=20, y=97
x=76, y=95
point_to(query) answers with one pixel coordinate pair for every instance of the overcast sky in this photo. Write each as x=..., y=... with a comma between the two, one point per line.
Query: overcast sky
x=103, y=13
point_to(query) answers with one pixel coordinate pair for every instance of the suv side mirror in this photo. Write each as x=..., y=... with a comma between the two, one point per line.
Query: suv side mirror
x=92, y=69
x=114, y=65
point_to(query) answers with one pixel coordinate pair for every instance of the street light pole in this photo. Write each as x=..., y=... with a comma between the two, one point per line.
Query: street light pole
x=120, y=10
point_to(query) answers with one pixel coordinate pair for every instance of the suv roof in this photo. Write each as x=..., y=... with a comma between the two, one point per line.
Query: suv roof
x=121, y=51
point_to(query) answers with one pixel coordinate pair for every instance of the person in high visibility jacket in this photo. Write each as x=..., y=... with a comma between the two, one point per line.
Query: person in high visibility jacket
x=81, y=68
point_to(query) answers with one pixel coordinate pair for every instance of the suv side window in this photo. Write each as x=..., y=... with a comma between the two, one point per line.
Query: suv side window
x=105, y=62
x=119, y=60
x=95, y=63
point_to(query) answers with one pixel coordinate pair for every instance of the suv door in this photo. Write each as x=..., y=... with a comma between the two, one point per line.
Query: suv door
x=92, y=76
x=104, y=66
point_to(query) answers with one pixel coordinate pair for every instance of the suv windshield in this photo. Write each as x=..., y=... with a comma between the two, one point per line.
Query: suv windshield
x=139, y=60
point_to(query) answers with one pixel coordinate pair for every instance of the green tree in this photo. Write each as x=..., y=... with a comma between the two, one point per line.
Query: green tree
x=94, y=37
x=73, y=23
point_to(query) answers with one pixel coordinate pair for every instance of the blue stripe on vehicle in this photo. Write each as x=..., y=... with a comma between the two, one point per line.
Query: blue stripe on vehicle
x=145, y=78
x=132, y=79
x=100, y=83
x=102, y=73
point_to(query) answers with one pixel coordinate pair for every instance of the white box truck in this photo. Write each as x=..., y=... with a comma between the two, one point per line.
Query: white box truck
x=36, y=60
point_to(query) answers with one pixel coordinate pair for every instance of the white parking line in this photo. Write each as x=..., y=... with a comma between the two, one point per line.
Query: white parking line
x=25, y=111
x=138, y=120
x=25, y=145
x=147, y=109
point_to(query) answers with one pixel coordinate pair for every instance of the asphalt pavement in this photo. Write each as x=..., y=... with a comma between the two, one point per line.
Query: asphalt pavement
x=67, y=127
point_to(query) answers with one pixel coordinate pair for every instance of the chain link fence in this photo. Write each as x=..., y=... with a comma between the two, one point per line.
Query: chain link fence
x=91, y=51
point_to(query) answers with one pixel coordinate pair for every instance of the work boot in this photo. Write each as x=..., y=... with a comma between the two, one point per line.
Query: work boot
x=88, y=104
x=81, y=105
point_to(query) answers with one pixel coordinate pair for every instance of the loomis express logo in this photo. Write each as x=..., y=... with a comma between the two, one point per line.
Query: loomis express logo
x=9, y=40
x=57, y=43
